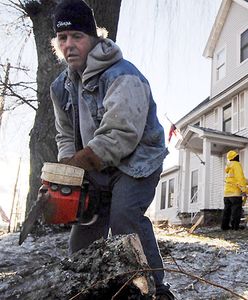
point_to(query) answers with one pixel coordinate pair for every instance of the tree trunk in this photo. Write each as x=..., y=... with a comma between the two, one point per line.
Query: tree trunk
x=107, y=15
x=42, y=142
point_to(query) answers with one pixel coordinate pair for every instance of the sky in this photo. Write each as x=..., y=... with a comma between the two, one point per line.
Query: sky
x=165, y=39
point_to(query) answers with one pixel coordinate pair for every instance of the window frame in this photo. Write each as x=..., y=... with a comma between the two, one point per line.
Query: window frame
x=220, y=65
x=241, y=61
x=163, y=195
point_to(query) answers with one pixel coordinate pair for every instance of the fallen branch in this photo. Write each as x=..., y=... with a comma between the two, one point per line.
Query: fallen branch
x=181, y=271
x=124, y=285
x=198, y=278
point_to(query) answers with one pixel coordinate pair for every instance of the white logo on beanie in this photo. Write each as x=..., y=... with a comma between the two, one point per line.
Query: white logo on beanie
x=63, y=24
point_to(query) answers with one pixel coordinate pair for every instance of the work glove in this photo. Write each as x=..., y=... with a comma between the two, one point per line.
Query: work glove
x=85, y=159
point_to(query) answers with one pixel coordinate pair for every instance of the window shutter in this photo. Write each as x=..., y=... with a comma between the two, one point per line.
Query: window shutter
x=216, y=119
x=235, y=114
x=242, y=110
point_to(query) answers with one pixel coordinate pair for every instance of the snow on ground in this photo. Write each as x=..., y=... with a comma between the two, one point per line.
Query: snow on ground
x=219, y=257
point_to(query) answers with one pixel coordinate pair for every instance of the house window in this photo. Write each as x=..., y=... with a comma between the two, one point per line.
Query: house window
x=194, y=186
x=171, y=193
x=221, y=64
x=227, y=118
x=163, y=195
x=244, y=46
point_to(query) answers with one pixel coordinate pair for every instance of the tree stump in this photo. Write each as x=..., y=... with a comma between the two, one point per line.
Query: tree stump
x=105, y=270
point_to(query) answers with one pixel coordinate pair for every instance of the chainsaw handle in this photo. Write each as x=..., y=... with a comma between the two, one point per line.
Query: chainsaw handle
x=91, y=180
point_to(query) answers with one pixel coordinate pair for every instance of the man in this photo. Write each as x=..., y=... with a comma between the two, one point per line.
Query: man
x=106, y=121
x=235, y=186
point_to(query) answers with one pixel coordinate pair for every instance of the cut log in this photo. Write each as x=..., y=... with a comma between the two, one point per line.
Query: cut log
x=105, y=270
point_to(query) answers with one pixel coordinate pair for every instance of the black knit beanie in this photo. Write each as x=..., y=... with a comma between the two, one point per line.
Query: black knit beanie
x=74, y=15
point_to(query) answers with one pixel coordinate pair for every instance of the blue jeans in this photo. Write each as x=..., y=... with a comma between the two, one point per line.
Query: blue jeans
x=130, y=199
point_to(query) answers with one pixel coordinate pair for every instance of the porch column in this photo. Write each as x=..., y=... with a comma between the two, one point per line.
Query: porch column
x=184, y=198
x=205, y=201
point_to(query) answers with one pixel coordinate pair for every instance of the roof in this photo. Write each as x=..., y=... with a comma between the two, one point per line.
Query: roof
x=203, y=103
x=209, y=103
x=219, y=23
x=221, y=141
x=223, y=133
x=170, y=170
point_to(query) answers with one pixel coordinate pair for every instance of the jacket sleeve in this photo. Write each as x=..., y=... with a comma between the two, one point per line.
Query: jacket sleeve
x=126, y=106
x=239, y=176
x=65, y=134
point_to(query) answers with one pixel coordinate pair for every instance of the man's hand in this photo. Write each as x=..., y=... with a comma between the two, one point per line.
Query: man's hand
x=85, y=159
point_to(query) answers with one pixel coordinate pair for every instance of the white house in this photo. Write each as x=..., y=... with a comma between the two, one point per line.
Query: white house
x=211, y=129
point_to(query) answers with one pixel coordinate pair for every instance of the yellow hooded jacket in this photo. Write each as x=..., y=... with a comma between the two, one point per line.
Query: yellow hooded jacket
x=235, y=182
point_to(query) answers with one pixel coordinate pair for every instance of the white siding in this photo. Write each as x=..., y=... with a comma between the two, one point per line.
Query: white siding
x=243, y=132
x=218, y=118
x=167, y=213
x=236, y=22
x=216, y=182
x=210, y=120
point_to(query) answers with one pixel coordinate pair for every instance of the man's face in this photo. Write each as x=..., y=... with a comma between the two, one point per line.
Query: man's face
x=75, y=46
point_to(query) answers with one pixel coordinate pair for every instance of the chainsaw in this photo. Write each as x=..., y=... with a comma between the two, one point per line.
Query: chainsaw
x=64, y=198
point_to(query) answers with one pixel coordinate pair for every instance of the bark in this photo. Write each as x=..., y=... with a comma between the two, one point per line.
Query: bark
x=42, y=143
x=98, y=272
x=107, y=15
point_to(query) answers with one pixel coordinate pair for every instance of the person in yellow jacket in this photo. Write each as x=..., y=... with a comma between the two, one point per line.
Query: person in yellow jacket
x=235, y=188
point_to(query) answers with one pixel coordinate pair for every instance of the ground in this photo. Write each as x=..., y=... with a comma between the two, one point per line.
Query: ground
x=208, y=264
x=221, y=258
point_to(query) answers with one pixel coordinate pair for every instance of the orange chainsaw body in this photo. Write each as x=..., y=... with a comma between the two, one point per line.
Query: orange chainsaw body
x=63, y=204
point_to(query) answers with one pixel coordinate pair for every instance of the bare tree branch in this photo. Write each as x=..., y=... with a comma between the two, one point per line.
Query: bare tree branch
x=14, y=94
x=17, y=68
x=19, y=7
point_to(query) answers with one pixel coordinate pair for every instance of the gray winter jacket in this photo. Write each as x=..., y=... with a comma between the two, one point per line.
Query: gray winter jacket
x=116, y=112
